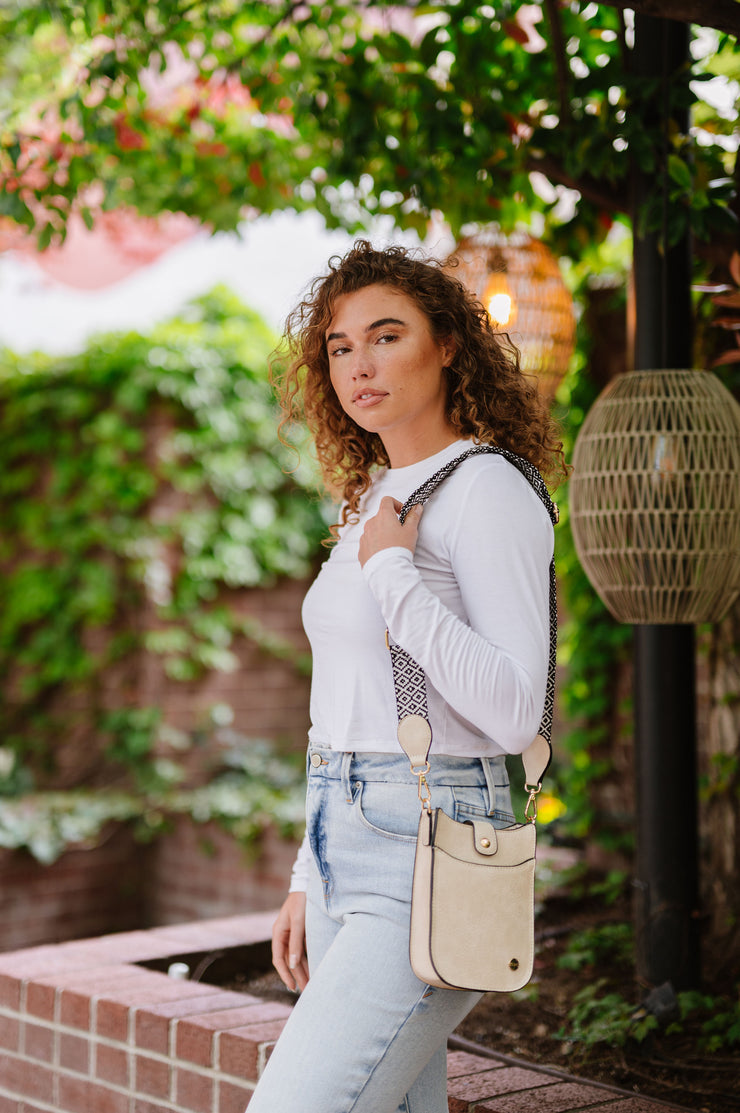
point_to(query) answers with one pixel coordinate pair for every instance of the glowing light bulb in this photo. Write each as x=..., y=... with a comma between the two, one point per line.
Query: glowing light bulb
x=499, y=309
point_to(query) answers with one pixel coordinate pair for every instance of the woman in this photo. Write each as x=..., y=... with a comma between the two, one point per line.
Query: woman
x=398, y=371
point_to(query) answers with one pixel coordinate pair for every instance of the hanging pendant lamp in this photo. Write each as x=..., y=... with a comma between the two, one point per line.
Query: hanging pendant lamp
x=518, y=280
x=655, y=497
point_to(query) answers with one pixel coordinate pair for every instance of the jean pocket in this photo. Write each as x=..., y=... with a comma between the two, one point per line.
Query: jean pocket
x=388, y=809
x=469, y=802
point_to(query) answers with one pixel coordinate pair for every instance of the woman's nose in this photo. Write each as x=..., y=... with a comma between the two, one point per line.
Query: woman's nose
x=362, y=366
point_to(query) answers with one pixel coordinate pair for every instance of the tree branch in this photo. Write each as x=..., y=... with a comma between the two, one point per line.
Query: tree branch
x=595, y=191
x=561, y=63
x=723, y=15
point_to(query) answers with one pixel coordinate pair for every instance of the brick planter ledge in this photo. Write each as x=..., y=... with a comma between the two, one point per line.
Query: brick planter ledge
x=84, y=1029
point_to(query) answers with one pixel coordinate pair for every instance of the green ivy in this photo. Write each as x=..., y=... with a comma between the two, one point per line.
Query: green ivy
x=139, y=481
x=591, y=642
x=596, y=1017
x=255, y=789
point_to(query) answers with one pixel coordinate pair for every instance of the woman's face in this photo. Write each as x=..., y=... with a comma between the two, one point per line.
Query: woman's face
x=386, y=368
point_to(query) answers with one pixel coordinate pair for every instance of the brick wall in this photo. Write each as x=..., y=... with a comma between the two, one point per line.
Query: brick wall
x=84, y=1028
x=199, y=871
x=86, y=892
x=194, y=872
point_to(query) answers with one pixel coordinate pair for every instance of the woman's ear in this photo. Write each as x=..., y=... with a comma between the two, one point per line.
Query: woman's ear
x=449, y=347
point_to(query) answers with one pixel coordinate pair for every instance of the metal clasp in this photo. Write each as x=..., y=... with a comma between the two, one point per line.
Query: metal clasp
x=425, y=794
x=530, y=812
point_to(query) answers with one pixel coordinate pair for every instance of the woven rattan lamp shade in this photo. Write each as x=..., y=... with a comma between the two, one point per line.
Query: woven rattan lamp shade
x=542, y=324
x=655, y=497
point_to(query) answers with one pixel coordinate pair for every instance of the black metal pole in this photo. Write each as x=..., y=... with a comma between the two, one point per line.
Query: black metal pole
x=667, y=871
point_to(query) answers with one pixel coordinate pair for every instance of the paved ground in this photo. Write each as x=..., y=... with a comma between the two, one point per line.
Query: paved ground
x=492, y=1083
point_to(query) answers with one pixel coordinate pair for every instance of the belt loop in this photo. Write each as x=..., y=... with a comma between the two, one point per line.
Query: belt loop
x=489, y=774
x=345, y=770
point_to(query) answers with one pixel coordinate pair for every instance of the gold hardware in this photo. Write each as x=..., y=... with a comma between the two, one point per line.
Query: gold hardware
x=485, y=843
x=557, y=512
x=425, y=794
x=514, y=964
x=387, y=639
x=530, y=812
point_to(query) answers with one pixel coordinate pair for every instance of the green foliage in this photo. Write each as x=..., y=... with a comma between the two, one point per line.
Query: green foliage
x=605, y=1018
x=719, y=1020
x=209, y=107
x=255, y=790
x=138, y=482
x=712, y=1021
x=607, y=941
x=591, y=643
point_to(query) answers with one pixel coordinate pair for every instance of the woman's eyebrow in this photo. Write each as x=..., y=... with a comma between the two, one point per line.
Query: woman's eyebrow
x=376, y=324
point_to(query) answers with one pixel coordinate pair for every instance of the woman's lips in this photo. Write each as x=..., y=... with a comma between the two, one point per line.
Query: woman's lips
x=366, y=398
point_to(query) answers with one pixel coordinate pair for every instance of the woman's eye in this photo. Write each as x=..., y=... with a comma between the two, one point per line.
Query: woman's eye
x=337, y=351
x=387, y=338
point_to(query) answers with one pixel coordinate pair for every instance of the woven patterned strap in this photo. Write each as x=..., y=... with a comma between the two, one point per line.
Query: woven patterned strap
x=408, y=677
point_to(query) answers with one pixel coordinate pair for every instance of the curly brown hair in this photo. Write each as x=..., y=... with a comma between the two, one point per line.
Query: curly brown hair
x=489, y=398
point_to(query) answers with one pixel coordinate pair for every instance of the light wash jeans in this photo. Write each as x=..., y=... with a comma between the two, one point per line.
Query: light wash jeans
x=366, y=1036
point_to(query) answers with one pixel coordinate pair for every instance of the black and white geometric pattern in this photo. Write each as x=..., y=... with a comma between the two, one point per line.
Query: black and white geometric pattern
x=408, y=676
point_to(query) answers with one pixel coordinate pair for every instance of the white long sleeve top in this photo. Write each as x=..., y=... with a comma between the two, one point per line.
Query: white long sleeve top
x=471, y=606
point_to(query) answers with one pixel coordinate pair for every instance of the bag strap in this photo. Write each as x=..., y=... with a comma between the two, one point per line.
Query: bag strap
x=414, y=728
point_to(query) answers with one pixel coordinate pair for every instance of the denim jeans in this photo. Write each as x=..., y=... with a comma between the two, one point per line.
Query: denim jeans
x=366, y=1036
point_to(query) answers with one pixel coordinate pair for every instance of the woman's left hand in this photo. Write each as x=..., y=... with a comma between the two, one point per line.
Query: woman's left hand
x=384, y=531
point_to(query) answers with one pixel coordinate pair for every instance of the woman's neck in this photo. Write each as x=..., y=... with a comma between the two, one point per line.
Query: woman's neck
x=411, y=450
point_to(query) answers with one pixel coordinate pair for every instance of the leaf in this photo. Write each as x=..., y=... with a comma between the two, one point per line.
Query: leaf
x=44, y=238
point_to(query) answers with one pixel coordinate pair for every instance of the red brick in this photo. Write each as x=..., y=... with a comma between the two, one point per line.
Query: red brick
x=112, y=1065
x=77, y=1095
x=152, y=1023
x=40, y=1000
x=74, y=1009
x=9, y=1105
x=463, y=1062
x=194, y=1091
x=74, y=1053
x=631, y=1105
x=194, y=1037
x=151, y=988
x=152, y=1077
x=142, y=1106
x=239, y=1048
x=501, y=1080
x=38, y=1042
x=231, y=1098
x=9, y=1033
x=19, y=1079
x=559, y=1097
x=10, y=992
x=111, y=1020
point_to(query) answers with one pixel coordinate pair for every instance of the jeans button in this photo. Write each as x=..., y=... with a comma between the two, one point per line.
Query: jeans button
x=315, y=760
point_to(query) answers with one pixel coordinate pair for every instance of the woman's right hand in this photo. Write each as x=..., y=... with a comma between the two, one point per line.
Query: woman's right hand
x=289, y=942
